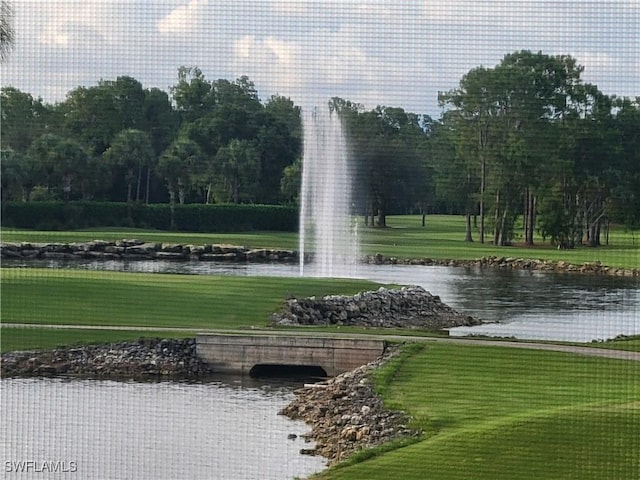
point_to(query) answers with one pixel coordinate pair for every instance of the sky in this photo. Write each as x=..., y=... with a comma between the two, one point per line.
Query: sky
x=398, y=53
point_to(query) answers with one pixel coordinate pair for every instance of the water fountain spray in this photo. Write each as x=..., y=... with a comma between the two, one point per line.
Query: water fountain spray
x=327, y=228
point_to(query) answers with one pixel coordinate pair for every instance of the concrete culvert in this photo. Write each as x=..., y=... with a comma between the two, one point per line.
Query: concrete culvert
x=287, y=371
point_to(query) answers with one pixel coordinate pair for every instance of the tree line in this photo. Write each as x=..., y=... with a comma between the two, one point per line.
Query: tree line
x=522, y=147
x=207, y=142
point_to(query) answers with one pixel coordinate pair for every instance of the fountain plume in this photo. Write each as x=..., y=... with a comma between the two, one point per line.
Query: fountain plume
x=327, y=228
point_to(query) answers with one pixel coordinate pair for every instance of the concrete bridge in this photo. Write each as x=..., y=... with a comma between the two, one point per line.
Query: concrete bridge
x=247, y=354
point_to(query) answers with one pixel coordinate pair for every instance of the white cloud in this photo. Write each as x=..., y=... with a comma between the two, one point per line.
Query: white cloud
x=273, y=63
x=289, y=7
x=611, y=73
x=62, y=19
x=392, y=52
x=183, y=18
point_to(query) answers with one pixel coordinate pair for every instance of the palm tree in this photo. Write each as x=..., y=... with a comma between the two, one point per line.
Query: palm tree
x=7, y=34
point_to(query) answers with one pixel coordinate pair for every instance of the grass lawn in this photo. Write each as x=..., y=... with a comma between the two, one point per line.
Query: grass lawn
x=487, y=412
x=12, y=339
x=284, y=240
x=76, y=297
x=498, y=413
x=631, y=344
x=442, y=238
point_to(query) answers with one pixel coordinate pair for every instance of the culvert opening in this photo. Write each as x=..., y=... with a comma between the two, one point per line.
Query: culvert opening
x=287, y=371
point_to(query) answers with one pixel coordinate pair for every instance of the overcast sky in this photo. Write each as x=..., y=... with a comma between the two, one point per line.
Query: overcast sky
x=396, y=53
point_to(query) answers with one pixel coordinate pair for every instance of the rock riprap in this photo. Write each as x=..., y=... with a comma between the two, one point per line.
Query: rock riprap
x=512, y=263
x=346, y=414
x=406, y=307
x=144, y=358
x=135, y=249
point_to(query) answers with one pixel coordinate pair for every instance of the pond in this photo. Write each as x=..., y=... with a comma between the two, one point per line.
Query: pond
x=522, y=304
x=230, y=429
x=94, y=429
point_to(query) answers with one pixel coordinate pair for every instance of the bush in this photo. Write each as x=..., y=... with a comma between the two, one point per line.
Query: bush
x=57, y=215
x=236, y=218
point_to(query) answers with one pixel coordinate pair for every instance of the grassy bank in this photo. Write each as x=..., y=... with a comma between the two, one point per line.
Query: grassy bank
x=13, y=339
x=77, y=297
x=441, y=238
x=496, y=413
x=487, y=412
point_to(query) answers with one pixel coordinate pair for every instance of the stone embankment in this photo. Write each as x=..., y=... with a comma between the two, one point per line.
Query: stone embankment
x=134, y=249
x=406, y=307
x=141, y=359
x=509, y=263
x=139, y=250
x=346, y=414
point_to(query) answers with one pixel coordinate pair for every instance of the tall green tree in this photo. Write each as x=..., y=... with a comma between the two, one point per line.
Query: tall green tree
x=131, y=151
x=506, y=114
x=624, y=205
x=475, y=103
x=7, y=33
x=95, y=115
x=596, y=159
x=237, y=165
x=23, y=119
x=62, y=163
x=456, y=182
x=162, y=127
x=12, y=175
x=193, y=94
x=278, y=145
x=177, y=166
x=386, y=147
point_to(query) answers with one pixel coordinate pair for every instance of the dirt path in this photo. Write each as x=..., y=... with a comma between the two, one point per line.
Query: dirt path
x=574, y=349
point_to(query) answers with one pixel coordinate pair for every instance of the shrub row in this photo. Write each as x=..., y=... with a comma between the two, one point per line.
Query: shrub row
x=188, y=218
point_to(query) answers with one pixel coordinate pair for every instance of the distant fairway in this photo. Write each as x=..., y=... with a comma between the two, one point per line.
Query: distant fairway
x=487, y=412
x=441, y=238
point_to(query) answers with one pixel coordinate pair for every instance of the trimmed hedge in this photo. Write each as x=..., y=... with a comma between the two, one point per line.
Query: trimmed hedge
x=188, y=218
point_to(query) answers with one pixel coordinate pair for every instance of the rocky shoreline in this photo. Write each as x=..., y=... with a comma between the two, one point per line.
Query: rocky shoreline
x=135, y=249
x=346, y=414
x=561, y=266
x=407, y=307
x=143, y=359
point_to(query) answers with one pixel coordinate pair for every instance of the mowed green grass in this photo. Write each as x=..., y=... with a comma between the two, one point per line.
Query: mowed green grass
x=33, y=338
x=259, y=239
x=499, y=413
x=631, y=344
x=441, y=238
x=80, y=297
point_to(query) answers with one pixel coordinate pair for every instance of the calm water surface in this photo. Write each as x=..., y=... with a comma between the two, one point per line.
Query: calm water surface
x=522, y=304
x=166, y=430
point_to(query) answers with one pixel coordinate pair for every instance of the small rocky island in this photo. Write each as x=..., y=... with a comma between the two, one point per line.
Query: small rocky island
x=407, y=307
x=345, y=413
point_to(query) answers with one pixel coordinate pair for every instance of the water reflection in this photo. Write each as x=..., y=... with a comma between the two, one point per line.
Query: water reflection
x=162, y=430
x=524, y=304
x=530, y=305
